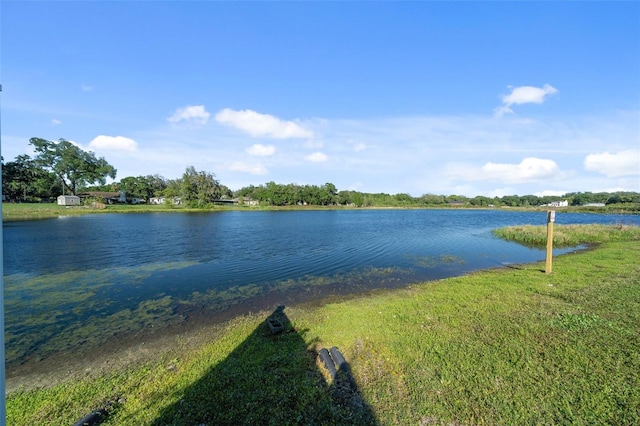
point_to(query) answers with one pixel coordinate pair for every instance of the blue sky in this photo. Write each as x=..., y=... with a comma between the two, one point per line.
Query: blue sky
x=471, y=98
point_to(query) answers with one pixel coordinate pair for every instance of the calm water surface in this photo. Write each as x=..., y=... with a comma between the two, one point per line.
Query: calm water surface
x=83, y=281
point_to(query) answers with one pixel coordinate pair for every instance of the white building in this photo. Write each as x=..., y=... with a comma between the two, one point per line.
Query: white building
x=68, y=200
x=563, y=203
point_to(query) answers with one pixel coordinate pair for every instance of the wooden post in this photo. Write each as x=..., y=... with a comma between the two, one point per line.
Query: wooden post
x=551, y=217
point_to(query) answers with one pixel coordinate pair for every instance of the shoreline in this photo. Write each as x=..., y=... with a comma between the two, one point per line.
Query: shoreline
x=151, y=345
x=12, y=212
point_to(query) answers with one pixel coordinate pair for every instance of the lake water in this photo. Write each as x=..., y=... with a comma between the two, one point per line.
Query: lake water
x=81, y=282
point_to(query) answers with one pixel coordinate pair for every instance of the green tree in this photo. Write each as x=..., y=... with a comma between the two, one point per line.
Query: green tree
x=623, y=197
x=172, y=189
x=24, y=180
x=432, y=199
x=143, y=186
x=17, y=177
x=73, y=166
x=350, y=197
x=510, y=200
x=275, y=194
x=480, y=200
x=457, y=199
x=199, y=189
x=404, y=199
x=329, y=194
x=247, y=191
x=530, y=200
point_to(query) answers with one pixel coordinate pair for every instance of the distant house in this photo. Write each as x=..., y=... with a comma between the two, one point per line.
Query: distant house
x=594, y=205
x=108, y=197
x=68, y=200
x=246, y=201
x=563, y=203
x=163, y=200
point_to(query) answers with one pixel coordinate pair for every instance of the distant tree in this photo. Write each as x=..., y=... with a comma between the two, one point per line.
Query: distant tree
x=73, y=166
x=623, y=197
x=172, y=189
x=247, y=191
x=530, y=200
x=24, y=180
x=144, y=187
x=225, y=192
x=432, y=200
x=456, y=199
x=480, y=201
x=199, y=189
x=511, y=200
x=275, y=194
x=350, y=197
x=131, y=186
x=404, y=199
x=329, y=194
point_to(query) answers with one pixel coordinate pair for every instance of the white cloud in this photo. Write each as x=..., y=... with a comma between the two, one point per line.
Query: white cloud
x=524, y=95
x=259, y=150
x=55, y=122
x=194, y=114
x=529, y=169
x=359, y=147
x=623, y=163
x=113, y=143
x=316, y=157
x=254, y=169
x=313, y=144
x=500, y=192
x=262, y=125
x=87, y=88
x=417, y=154
x=550, y=193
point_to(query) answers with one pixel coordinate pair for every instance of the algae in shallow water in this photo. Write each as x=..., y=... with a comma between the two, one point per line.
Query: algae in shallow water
x=428, y=262
x=60, y=312
x=53, y=312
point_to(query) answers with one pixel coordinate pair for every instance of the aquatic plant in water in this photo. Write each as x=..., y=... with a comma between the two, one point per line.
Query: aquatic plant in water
x=85, y=309
x=53, y=312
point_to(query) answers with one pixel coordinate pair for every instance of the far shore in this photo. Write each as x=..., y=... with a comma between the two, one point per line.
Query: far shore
x=35, y=211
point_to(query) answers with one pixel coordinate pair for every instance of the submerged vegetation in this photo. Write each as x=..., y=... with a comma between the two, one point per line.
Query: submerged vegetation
x=506, y=346
x=50, y=313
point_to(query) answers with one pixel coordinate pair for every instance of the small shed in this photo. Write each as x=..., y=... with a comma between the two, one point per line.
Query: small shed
x=68, y=200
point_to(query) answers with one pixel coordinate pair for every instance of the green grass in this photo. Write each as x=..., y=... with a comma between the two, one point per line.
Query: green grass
x=505, y=346
x=569, y=235
x=28, y=211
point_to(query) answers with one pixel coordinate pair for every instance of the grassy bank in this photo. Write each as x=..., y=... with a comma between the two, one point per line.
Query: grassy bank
x=507, y=346
x=569, y=235
x=29, y=211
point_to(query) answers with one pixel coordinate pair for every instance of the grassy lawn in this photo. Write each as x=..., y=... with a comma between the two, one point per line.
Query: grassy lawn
x=505, y=346
x=26, y=211
x=29, y=211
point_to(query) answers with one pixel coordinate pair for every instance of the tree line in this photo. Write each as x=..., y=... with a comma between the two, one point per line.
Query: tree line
x=62, y=167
